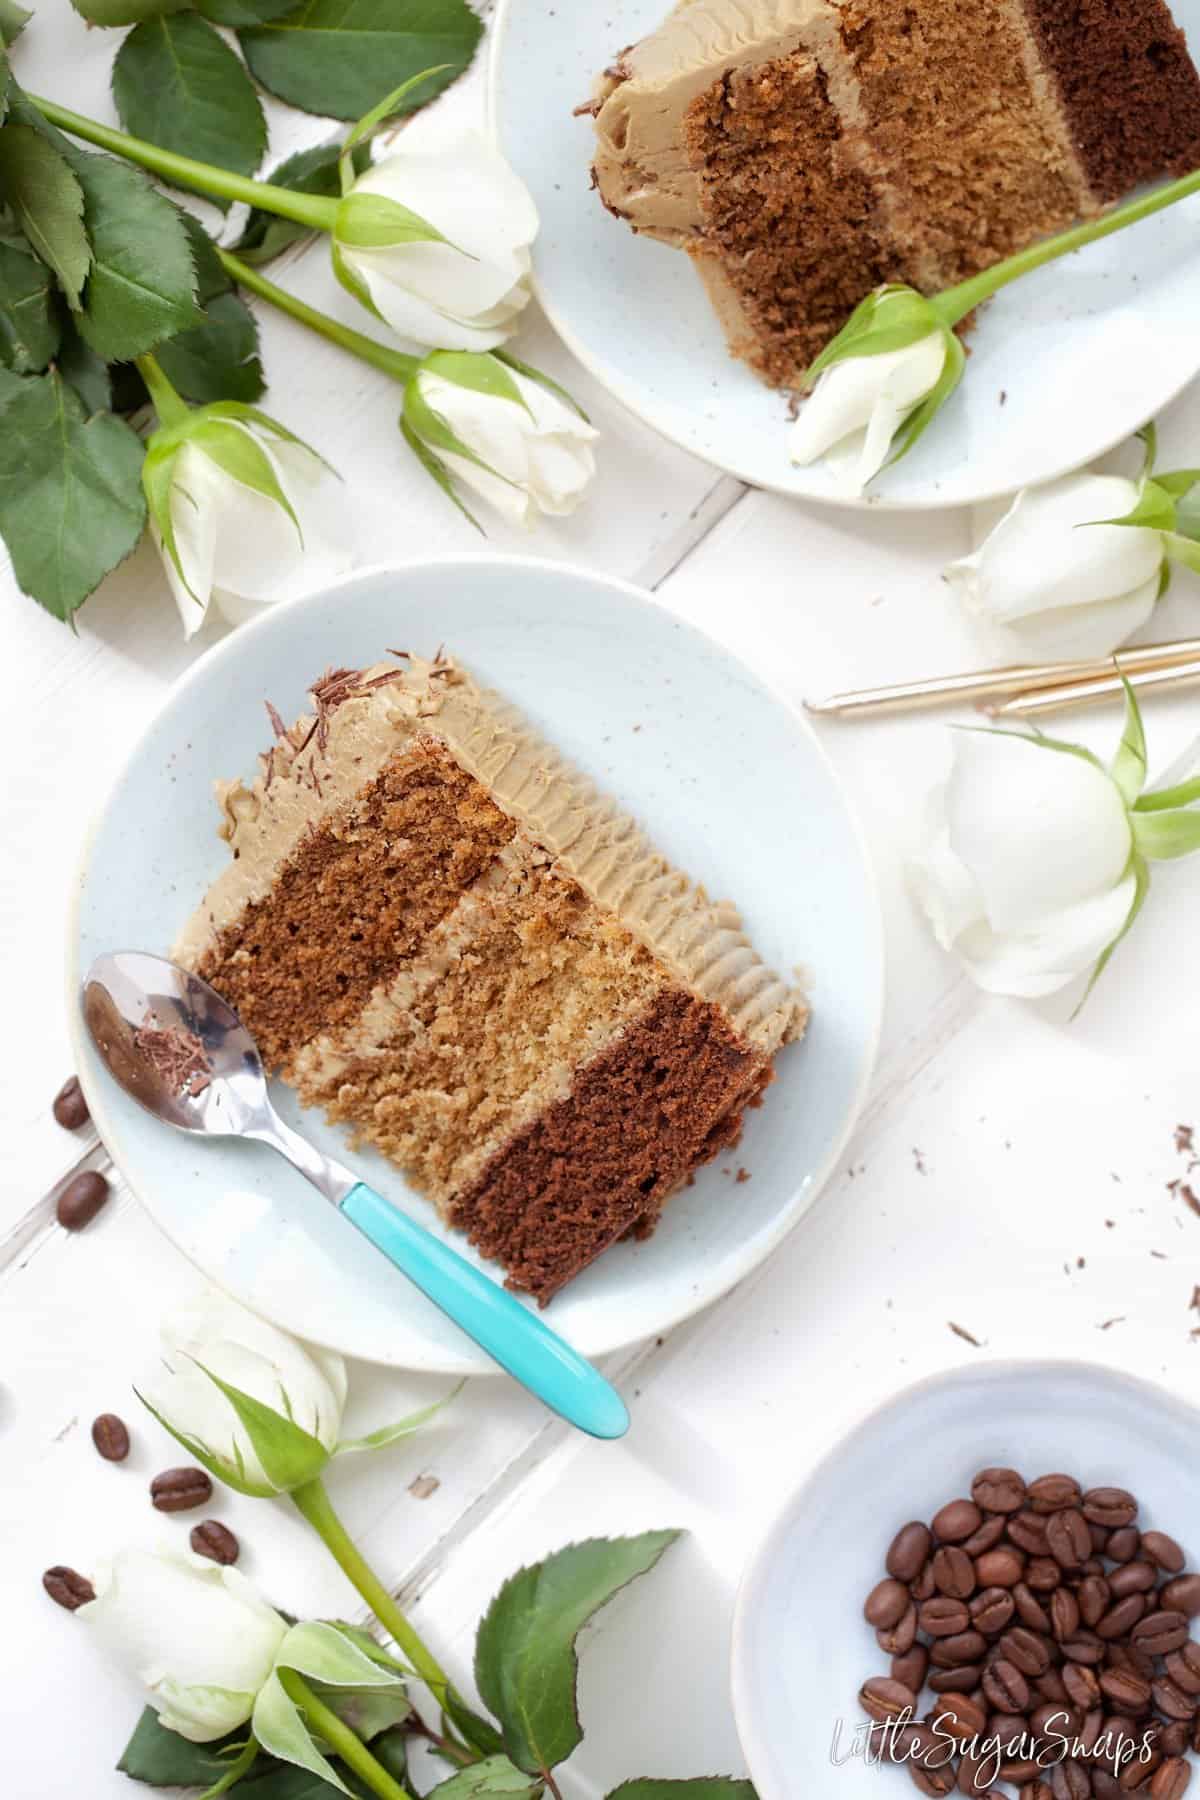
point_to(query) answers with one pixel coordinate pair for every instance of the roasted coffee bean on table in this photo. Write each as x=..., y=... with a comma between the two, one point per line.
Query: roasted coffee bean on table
x=178, y=1490
x=70, y=1109
x=111, y=1437
x=67, y=1587
x=212, y=1539
x=81, y=1199
x=1053, y=1634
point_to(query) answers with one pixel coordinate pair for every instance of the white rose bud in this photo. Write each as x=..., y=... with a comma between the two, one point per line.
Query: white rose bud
x=242, y=513
x=859, y=405
x=200, y=1639
x=215, y=1356
x=1026, y=872
x=501, y=430
x=1052, y=582
x=435, y=239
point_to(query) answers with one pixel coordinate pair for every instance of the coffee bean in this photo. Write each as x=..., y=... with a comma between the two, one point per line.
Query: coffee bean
x=1100, y=1537
x=957, y=1680
x=1124, y=1544
x=1085, y=1647
x=1138, y=1775
x=1135, y=1578
x=909, y=1549
x=67, y=1587
x=1051, y=1493
x=1037, y=1790
x=1095, y=1597
x=1043, y=1574
x=911, y=1668
x=1110, y=1506
x=976, y=1774
x=1082, y=1685
x=1011, y=1732
x=1005, y=1686
x=1091, y=1730
x=964, y=1647
x=1171, y=1781
x=942, y=1617
x=956, y=1521
x=1000, y=1568
x=1031, y=1611
x=1173, y=1701
x=960, y=1716
x=936, y=1781
x=1196, y=1737
x=901, y=1636
x=1027, y=1530
x=1126, y=1689
x=1071, y=1781
x=212, y=1539
x=1163, y=1552
x=998, y=1490
x=1027, y=1650
x=883, y=1699
x=1173, y=1738
x=908, y=1743
x=1051, y=1686
x=1158, y=1633
x=954, y=1572
x=1068, y=1539
x=178, y=1490
x=70, y=1109
x=111, y=1437
x=81, y=1199
x=1120, y=1619
x=1183, y=1667
x=986, y=1538
x=1183, y=1595
x=1064, y=1614
x=886, y=1604
x=992, y=1610
x=921, y=1587
x=1124, y=1655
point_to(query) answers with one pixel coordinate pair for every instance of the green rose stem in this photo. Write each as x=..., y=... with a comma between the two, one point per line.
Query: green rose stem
x=313, y=1502
x=324, y=1723
x=313, y=210
x=392, y=362
x=171, y=409
x=954, y=305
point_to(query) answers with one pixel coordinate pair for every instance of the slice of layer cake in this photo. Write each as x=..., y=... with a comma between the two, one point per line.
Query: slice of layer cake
x=444, y=936
x=804, y=151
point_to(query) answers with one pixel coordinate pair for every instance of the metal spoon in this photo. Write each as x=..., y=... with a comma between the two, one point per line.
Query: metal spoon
x=183, y=1053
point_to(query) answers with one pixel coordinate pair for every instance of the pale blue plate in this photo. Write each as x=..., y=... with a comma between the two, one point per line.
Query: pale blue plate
x=727, y=778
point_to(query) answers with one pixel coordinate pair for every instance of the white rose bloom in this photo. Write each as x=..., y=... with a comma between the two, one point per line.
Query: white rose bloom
x=535, y=451
x=199, y=1637
x=1025, y=869
x=238, y=549
x=1051, y=584
x=299, y=1381
x=859, y=404
x=465, y=293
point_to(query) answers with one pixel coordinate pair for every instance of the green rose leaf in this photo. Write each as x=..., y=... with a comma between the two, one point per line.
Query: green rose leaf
x=177, y=83
x=125, y=12
x=480, y=1733
x=312, y=171
x=164, y=1759
x=219, y=359
x=243, y=12
x=13, y=20
x=29, y=327
x=495, y=1776
x=525, y=1657
x=700, y=1787
x=71, y=503
x=141, y=287
x=47, y=202
x=84, y=371
x=340, y=57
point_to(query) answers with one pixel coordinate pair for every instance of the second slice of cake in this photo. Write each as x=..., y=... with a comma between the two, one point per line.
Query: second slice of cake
x=442, y=934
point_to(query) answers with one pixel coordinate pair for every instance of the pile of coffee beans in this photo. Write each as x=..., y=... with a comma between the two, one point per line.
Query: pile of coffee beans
x=1054, y=1637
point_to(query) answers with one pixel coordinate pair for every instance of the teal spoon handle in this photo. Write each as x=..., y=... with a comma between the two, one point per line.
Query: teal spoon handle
x=515, y=1337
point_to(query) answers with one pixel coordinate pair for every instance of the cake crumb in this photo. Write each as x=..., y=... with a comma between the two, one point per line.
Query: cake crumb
x=423, y=1486
x=966, y=1336
x=741, y=1176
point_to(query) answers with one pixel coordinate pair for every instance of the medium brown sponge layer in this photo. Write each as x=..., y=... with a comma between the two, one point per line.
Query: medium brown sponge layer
x=668, y=1096
x=1129, y=87
x=789, y=224
x=356, y=899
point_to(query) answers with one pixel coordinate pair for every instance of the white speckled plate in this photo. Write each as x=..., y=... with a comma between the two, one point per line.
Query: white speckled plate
x=801, y=1648
x=731, y=784
x=1064, y=365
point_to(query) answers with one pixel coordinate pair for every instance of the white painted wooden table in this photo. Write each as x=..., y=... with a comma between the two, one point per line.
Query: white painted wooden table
x=1010, y=1175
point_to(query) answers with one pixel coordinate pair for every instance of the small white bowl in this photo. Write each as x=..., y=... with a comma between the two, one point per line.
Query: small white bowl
x=801, y=1648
